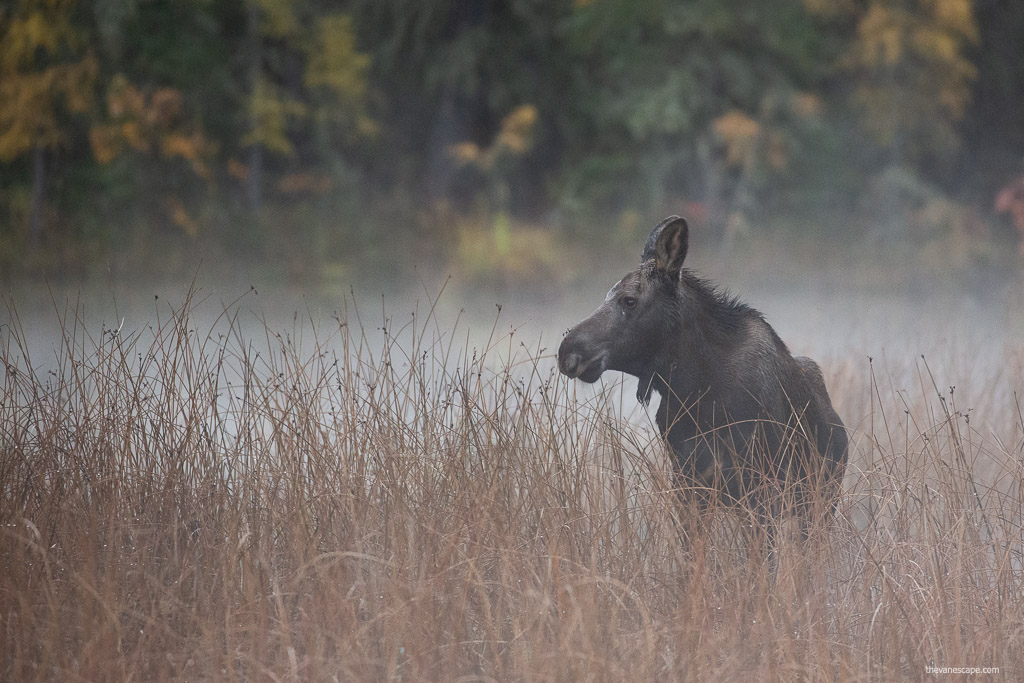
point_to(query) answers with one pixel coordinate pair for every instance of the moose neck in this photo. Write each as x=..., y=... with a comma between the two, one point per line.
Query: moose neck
x=696, y=359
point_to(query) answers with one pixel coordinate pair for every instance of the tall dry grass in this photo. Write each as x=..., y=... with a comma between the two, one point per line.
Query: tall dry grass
x=389, y=501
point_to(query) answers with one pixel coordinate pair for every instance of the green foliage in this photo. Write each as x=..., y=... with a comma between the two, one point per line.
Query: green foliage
x=336, y=77
x=574, y=114
x=271, y=112
x=662, y=73
x=306, y=93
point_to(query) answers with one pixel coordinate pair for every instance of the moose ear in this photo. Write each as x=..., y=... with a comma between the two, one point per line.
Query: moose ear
x=667, y=245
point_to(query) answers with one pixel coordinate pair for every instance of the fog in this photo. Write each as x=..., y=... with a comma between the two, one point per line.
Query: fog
x=949, y=335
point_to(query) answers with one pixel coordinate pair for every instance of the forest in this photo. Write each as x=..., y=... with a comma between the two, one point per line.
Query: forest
x=315, y=135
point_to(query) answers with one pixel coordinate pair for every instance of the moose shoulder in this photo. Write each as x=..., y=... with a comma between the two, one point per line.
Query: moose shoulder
x=741, y=414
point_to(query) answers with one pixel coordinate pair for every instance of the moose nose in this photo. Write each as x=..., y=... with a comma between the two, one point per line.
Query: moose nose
x=568, y=363
x=568, y=360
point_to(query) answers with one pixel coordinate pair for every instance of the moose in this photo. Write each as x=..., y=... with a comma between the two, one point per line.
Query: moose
x=747, y=422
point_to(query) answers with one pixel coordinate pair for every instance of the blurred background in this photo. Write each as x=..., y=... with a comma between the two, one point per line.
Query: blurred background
x=517, y=145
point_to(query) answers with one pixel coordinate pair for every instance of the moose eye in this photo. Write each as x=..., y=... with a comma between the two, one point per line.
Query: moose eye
x=629, y=301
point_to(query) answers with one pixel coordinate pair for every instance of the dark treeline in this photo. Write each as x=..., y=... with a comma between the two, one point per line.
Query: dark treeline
x=313, y=131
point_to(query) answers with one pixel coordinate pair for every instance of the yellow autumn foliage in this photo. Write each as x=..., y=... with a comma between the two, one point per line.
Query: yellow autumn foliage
x=149, y=124
x=133, y=134
x=953, y=15
x=514, y=138
x=739, y=133
x=913, y=78
x=106, y=143
x=465, y=152
x=806, y=105
x=123, y=99
x=192, y=147
x=238, y=170
x=516, y=133
x=278, y=17
x=179, y=215
x=165, y=107
x=881, y=36
x=44, y=66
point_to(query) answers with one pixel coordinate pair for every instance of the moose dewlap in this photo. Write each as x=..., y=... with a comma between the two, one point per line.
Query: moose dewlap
x=744, y=417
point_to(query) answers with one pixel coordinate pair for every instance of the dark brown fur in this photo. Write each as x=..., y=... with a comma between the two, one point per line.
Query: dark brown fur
x=742, y=415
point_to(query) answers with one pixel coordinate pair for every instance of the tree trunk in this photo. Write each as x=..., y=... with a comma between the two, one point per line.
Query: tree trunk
x=35, y=217
x=254, y=177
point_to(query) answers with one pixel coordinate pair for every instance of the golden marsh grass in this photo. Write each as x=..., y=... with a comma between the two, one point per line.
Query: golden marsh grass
x=387, y=500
